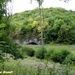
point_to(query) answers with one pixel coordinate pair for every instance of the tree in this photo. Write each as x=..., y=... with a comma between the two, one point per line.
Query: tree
x=6, y=44
x=41, y=19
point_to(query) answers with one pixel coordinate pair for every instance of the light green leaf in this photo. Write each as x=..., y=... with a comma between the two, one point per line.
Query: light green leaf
x=2, y=25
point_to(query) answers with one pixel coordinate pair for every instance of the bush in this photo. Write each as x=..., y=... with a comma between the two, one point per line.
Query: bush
x=40, y=53
x=27, y=51
x=60, y=55
x=49, y=54
x=70, y=59
x=57, y=55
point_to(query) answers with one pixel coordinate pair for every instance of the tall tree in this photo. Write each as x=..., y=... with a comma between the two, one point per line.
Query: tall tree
x=41, y=19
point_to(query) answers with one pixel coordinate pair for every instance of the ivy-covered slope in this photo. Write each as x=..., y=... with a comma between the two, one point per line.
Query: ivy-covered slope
x=59, y=25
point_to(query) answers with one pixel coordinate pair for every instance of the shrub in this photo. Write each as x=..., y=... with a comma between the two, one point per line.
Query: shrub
x=70, y=59
x=40, y=53
x=49, y=54
x=10, y=47
x=27, y=51
x=57, y=55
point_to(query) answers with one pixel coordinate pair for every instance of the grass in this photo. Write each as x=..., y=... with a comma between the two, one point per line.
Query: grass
x=34, y=66
x=56, y=46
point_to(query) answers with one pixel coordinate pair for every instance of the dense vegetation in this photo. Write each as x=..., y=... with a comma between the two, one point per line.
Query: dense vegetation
x=57, y=53
x=50, y=65
x=6, y=44
x=58, y=28
x=59, y=25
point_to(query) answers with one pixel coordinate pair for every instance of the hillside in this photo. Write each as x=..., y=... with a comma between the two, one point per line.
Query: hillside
x=59, y=25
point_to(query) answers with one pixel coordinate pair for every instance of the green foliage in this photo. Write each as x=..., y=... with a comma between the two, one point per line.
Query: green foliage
x=22, y=68
x=8, y=46
x=70, y=59
x=49, y=54
x=57, y=55
x=23, y=31
x=27, y=51
x=59, y=25
x=40, y=53
x=2, y=26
